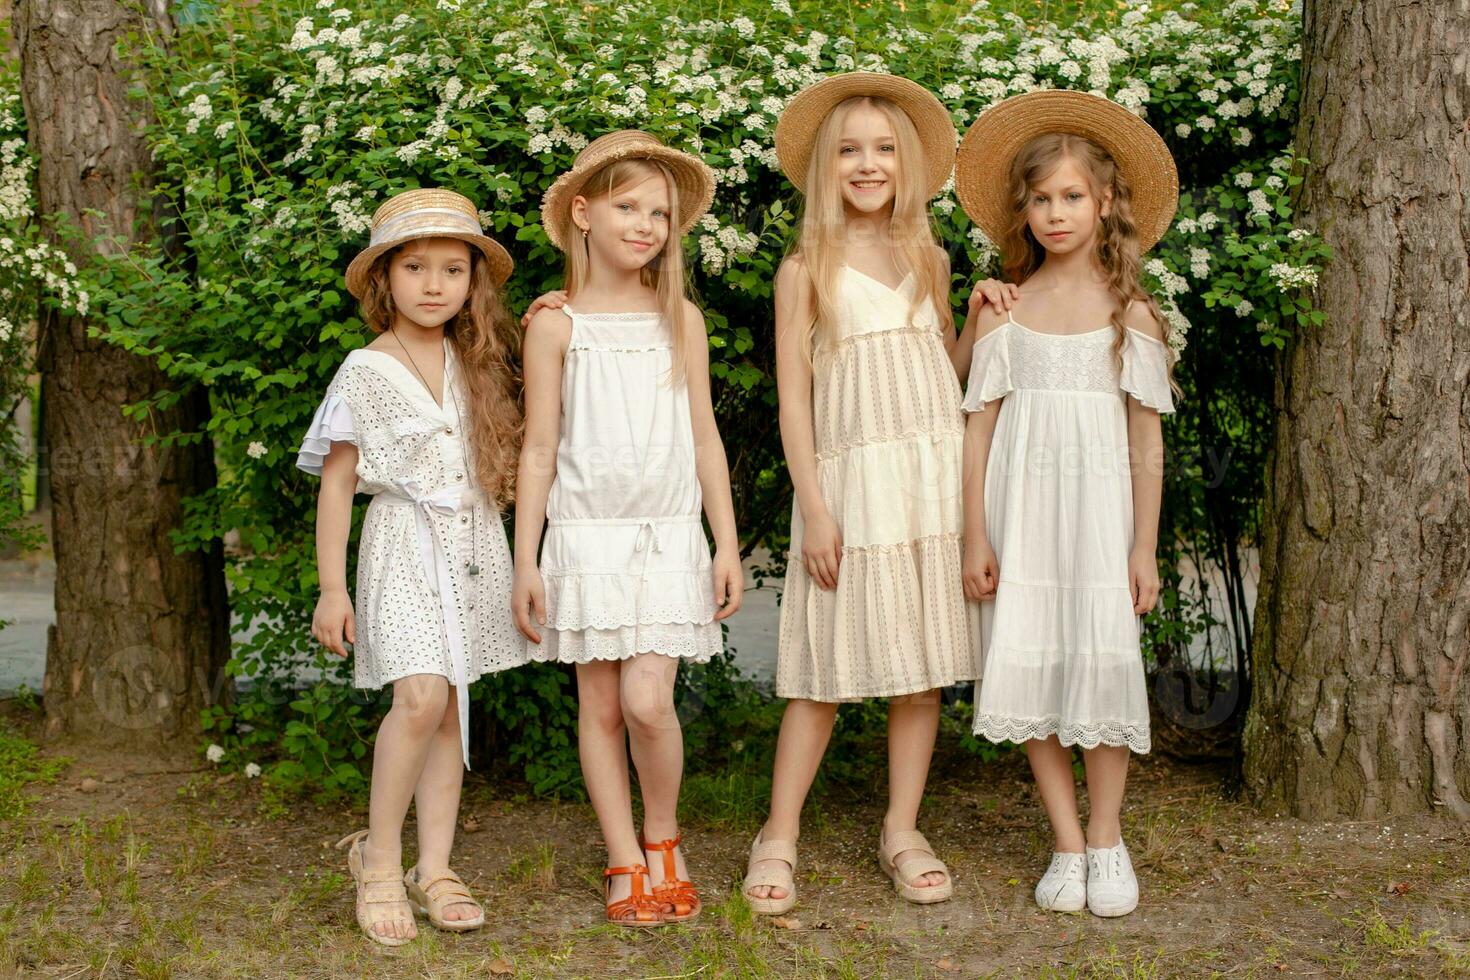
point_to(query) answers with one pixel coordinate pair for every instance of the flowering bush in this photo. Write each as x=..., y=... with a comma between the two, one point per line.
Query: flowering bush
x=280, y=126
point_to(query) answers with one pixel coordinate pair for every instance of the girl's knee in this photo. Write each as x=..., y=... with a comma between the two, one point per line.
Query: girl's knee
x=420, y=703
x=648, y=704
x=602, y=713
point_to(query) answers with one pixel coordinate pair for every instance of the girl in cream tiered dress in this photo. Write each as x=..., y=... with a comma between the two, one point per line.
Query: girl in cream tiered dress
x=889, y=440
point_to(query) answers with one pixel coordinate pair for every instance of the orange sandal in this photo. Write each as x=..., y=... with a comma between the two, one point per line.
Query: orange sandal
x=680, y=898
x=639, y=909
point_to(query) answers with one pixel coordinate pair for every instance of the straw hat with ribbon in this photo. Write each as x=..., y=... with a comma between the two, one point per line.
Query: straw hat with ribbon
x=796, y=131
x=1001, y=132
x=696, y=182
x=426, y=212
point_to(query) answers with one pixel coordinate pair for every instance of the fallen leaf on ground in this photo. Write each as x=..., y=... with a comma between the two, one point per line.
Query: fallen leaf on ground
x=1400, y=888
x=786, y=922
x=89, y=785
x=501, y=967
x=470, y=825
x=947, y=965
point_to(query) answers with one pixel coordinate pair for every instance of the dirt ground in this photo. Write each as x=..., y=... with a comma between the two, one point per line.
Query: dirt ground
x=119, y=869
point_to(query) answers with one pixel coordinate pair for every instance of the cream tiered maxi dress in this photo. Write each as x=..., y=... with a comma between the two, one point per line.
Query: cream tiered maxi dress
x=1061, y=639
x=889, y=444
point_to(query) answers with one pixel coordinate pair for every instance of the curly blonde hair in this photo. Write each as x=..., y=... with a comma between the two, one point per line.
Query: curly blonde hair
x=487, y=346
x=1116, y=244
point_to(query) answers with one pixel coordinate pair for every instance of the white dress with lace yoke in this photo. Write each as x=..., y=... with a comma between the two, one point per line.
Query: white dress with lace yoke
x=625, y=561
x=1061, y=639
x=889, y=441
x=433, y=566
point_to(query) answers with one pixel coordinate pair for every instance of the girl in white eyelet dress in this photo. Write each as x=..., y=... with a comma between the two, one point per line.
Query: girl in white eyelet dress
x=425, y=420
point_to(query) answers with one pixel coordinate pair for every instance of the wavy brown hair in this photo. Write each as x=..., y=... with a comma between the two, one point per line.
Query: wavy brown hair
x=822, y=243
x=664, y=273
x=1116, y=243
x=486, y=344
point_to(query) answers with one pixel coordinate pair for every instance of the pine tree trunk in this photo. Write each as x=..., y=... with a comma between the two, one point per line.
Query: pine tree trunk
x=1362, y=642
x=141, y=632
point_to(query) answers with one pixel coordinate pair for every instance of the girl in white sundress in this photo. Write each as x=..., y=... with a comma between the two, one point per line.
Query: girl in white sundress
x=620, y=452
x=424, y=418
x=871, y=424
x=1064, y=460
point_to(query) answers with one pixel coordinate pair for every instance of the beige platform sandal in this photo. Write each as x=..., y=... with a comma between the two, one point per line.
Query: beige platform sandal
x=377, y=892
x=903, y=876
x=432, y=897
x=775, y=850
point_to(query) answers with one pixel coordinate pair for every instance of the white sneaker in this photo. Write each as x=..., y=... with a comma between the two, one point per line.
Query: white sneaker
x=1112, y=887
x=1064, y=886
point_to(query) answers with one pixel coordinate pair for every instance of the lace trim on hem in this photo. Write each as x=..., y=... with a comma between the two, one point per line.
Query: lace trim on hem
x=698, y=649
x=837, y=452
x=1019, y=730
x=629, y=349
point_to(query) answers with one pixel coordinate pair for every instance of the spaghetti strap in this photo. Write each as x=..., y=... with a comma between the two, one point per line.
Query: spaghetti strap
x=1008, y=318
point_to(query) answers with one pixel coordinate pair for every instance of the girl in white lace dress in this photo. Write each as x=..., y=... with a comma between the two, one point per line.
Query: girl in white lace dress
x=620, y=452
x=424, y=418
x=1064, y=455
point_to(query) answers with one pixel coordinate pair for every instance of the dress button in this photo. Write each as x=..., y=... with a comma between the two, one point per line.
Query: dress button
x=449, y=430
x=464, y=518
x=459, y=476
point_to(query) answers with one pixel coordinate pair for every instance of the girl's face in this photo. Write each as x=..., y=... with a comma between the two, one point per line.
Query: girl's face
x=430, y=280
x=1063, y=212
x=867, y=160
x=628, y=227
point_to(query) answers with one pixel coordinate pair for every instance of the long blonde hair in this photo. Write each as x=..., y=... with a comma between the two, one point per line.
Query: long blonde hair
x=664, y=273
x=486, y=344
x=1116, y=243
x=824, y=223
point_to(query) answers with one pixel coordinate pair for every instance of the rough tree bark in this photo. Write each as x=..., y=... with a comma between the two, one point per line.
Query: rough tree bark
x=141, y=633
x=1362, y=642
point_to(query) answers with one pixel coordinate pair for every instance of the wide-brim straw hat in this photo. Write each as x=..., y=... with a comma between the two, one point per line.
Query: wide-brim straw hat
x=796, y=130
x=427, y=212
x=695, y=181
x=984, y=165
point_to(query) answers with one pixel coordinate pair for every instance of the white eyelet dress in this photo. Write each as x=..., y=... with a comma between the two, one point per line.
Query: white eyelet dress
x=1061, y=639
x=889, y=440
x=419, y=609
x=625, y=561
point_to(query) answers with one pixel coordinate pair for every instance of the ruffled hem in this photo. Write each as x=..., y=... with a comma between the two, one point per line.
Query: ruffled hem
x=589, y=600
x=898, y=623
x=696, y=642
x=1001, y=729
x=990, y=371
x=1145, y=373
x=332, y=422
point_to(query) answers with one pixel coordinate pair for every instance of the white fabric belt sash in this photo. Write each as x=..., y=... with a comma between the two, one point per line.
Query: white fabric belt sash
x=449, y=501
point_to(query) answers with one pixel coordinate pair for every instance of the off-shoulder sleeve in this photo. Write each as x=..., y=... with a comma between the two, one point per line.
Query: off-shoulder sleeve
x=990, y=371
x=1146, y=372
x=333, y=422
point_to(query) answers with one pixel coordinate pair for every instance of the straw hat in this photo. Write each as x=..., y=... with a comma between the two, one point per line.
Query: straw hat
x=1002, y=130
x=796, y=130
x=696, y=182
x=426, y=212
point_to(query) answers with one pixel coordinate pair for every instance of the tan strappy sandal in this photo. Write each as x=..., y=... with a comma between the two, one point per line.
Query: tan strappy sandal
x=774, y=850
x=681, y=897
x=377, y=892
x=432, y=897
x=904, y=875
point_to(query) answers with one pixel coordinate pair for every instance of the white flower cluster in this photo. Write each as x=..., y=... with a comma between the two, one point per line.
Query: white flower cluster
x=722, y=245
x=353, y=213
x=1289, y=277
x=1171, y=284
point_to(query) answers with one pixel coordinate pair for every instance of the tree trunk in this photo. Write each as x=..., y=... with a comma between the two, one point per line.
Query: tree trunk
x=1362, y=641
x=141, y=634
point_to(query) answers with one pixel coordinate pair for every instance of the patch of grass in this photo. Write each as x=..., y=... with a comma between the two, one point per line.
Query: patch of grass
x=20, y=765
x=536, y=867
